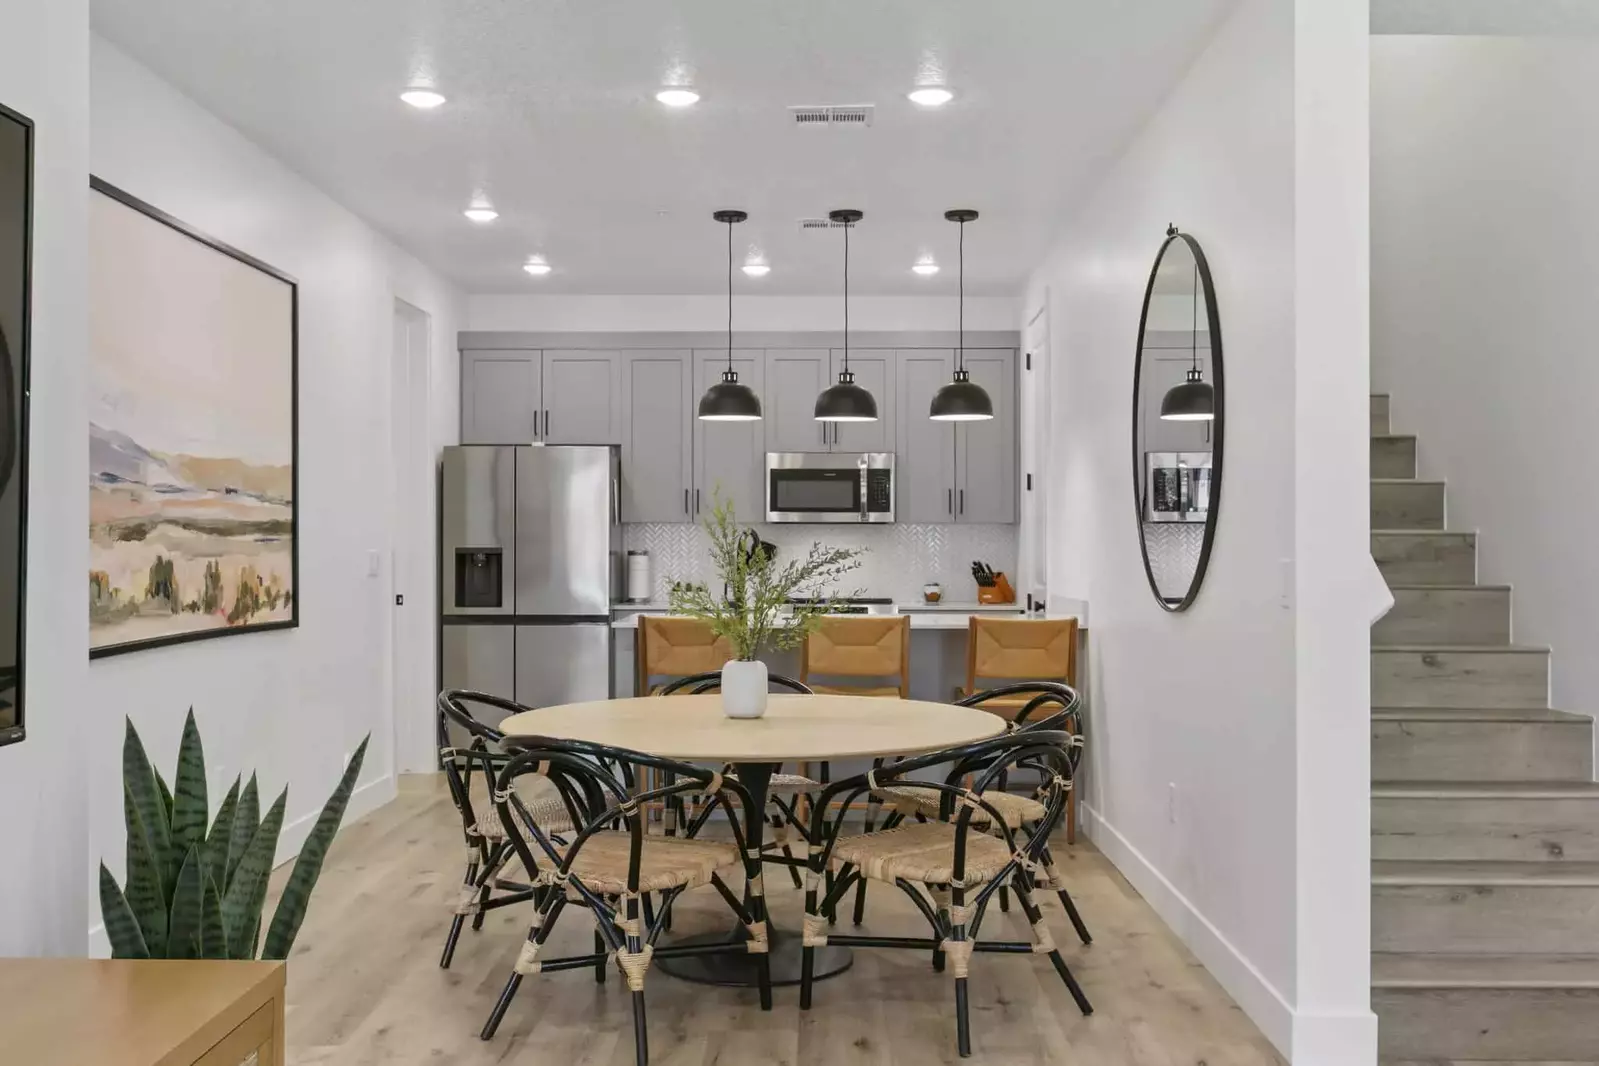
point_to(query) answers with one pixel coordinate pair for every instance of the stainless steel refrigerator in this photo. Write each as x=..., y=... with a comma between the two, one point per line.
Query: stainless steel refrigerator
x=530, y=565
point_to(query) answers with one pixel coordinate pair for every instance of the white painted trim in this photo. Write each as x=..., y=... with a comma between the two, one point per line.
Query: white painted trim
x=1259, y=999
x=363, y=801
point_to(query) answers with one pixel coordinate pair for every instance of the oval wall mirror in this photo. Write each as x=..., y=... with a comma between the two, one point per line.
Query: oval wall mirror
x=1177, y=421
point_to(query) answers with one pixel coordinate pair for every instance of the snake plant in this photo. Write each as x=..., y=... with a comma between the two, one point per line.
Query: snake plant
x=198, y=893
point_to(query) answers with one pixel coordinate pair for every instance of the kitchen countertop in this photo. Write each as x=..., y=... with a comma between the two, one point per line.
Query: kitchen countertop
x=947, y=616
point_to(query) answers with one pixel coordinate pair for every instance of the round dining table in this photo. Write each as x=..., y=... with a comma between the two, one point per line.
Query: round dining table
x=795, y=729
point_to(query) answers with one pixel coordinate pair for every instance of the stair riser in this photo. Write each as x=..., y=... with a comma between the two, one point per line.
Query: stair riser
x=1446, y=616
x=1379, y=415
x=1428, y=559
x=1407, y=505
x=1445, y=678
x=1485, y=829
x=1485, y=919
x=1520, y=1025
x=1393, y=457
x=1481, y=751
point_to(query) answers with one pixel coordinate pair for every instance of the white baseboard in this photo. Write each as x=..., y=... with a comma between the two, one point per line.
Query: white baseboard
x=363, y=801
x=1334, y=1039
x=1257, y=996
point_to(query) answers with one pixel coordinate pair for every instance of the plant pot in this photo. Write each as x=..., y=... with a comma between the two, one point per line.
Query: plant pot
x=743, y=688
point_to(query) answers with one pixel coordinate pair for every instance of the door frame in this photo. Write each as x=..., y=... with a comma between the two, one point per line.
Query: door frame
x=412, y=679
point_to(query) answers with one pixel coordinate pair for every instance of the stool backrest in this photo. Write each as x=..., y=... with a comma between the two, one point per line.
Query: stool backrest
x=1021, y=649
x=676, y=647
x=860, y=646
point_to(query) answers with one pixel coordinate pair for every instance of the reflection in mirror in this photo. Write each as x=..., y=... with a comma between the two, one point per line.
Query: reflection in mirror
x=1177, y=421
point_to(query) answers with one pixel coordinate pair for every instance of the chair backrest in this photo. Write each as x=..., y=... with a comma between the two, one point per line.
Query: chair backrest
x=860, y=646
x=1021, y=649
x=676, y=647
x=711, y=681
x=474, y=753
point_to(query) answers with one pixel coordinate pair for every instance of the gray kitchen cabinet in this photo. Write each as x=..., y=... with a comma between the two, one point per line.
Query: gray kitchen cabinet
x=582, y=397
x=924, y=460
x=985, y=452
x=730, y=456
x=794, y=378
x=874, y=371
x=500, y=397
x=658, y=399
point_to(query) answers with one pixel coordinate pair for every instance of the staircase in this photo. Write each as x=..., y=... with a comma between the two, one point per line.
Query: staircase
x=1484, y=810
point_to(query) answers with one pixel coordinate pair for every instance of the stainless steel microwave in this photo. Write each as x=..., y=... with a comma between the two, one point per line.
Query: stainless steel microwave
x=829, y=487
x=1176, y=486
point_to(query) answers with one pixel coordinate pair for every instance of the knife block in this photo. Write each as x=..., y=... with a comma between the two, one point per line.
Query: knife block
x=999, y=592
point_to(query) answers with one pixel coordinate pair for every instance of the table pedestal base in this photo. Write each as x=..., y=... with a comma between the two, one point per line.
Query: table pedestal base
x=739, y=969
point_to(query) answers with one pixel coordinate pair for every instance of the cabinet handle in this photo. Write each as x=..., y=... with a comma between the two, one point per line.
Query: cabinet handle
x=535, y=425
x=824, y=432
x=546, y=421
x=949, y=500
x=961, y=495
x=685, y=501
x=696, y=501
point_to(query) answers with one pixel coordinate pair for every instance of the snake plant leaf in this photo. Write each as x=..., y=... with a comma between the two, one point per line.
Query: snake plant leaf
x=183, y=924
x=308, y=866
x=143, y=785
x=246, y=893
x=216, y=841
x=190, y=804
x=166, y=795
x=146, y=897
x=121, y=928
x=246, y=820
x=213, y=940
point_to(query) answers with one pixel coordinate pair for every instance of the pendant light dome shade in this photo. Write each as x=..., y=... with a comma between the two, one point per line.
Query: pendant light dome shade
x=727, y=400
x=1192, y=401
x=846, y=401
x=961, y=400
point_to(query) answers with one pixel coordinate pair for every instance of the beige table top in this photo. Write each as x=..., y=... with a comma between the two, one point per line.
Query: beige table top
x=795, y=728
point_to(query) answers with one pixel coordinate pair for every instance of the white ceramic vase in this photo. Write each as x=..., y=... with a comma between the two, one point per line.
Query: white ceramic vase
x=743, y=688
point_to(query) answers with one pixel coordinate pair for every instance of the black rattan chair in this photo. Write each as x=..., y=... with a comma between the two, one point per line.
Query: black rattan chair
x=950, y=867
x=610, y=864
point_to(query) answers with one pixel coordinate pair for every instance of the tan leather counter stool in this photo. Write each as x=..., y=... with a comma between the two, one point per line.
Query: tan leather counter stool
x=860, y=646
x=673, y=648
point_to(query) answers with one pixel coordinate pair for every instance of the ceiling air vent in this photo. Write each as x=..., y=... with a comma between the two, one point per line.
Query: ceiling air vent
x=858, y=115
x=808, y=225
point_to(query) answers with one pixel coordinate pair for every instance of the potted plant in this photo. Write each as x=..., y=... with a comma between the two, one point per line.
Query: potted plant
x=753, y=611
x=193, y=893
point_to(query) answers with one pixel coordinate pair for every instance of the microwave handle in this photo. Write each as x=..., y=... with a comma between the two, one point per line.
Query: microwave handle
x=866, y=490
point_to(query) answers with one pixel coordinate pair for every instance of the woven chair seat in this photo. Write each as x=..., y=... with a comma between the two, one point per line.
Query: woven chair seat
x=1017, y=810
x=791, y=783
x=539, y=794
x=921, y=851
x=665, y=862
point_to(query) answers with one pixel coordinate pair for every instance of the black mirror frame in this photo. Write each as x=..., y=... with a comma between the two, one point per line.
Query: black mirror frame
x=1213, y=517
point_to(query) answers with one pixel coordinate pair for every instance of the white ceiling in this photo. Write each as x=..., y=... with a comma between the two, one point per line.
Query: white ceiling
x=551, y=116
x=1491, y=18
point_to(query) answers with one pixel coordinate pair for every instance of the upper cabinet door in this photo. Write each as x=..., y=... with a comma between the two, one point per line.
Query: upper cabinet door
x=582, y=398
x=500, y=397
x=657, y=444
x=924, y=460
x=730, y=456
x=985, y=489
x=794, y=378
x=874, y=372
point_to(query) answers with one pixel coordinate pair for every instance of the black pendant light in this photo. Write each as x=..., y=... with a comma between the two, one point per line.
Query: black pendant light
x=1194, y=400
x=727, y=400
x=961, y=400
x=846, y=401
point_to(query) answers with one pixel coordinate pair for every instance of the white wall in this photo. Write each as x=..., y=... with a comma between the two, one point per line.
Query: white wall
x=286, y=704
x=1485, y=257
x=44, y=58
x=751, y=311
x=1197, y=789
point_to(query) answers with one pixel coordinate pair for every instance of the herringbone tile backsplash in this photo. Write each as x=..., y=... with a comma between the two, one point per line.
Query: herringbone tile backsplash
x=898, y=561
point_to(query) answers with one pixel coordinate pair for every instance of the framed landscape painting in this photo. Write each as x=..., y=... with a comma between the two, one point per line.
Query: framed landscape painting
x=193, y=449
x=16, y=209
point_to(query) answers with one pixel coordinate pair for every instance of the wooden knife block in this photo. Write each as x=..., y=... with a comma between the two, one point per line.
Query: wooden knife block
x=999, y=592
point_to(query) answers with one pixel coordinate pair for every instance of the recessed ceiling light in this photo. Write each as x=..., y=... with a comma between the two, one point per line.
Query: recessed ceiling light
x=481, y=213
x=757, y=270
x=678, y=97
x=422, y=98
x=537, y=267
x=925, y=268
x=930, y=96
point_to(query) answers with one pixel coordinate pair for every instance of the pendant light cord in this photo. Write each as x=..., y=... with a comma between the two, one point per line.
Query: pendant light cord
x=1193, y=333
x=730, y=296
x=847, y=227
x=961, y=363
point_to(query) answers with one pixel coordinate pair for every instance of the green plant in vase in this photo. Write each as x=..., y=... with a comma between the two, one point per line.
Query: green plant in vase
x=753, y=611
x=194, y=893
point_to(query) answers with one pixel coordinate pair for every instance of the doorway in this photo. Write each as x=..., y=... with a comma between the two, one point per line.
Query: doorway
x=411, y=543
x=1033, y=536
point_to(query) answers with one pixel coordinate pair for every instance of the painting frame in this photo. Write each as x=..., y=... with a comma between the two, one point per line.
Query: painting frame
x=22, y=360
x=127, y=199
